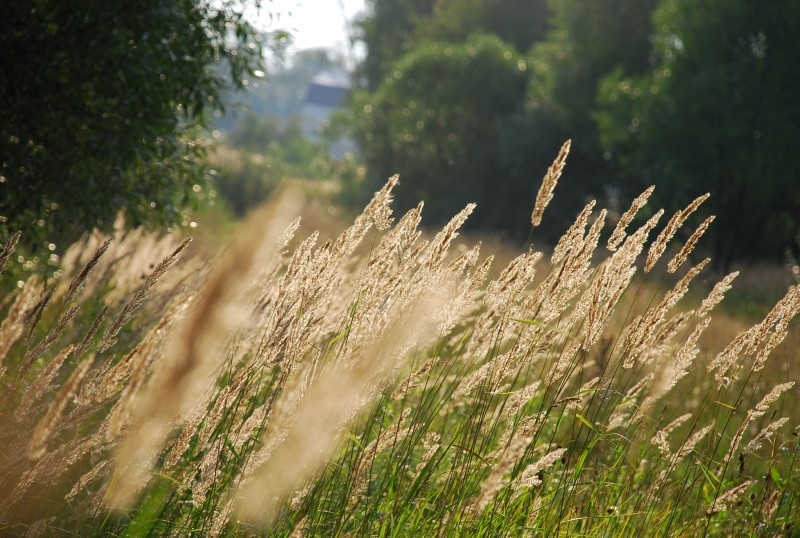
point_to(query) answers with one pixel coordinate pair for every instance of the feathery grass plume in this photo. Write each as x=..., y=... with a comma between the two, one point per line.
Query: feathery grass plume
x=642, y=331
x=688, y=247
x=721, y=503
x=87, y=478
x=79, y=279
x=517, y=446
x=585, y=392
x=441, y=243
x=766, y=433
x=573, y=236
x=110, y=336
x=46, y=471
x=552, y=297
x=618, y=235
x=677, y=220
x=611, y=280
x=660, y=437
x=91, y=332
x=735, y=350
x=686, y=448
x=42, y=433
x=377, y=211
x=200, y=424
x=49, y=339
x=8, y=249
x=746, y=343
x=520, y=398
x=338, y=395
x=14, y=323
x=188, y=361
x=627, y=409
x=530, y=476
x=716, y=295
x=126, y=378
x=413, y=379
x=786, y=310
x=431, y=443
x=771, y=504
x=549, y=184
x=673, y=366
x=758, y=411
x=37, y=390
x=389, y=437
x=34, y=313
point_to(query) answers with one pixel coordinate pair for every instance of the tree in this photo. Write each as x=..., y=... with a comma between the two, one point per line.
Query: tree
x=588, y=39
x=520, y=23
x=101, y=102
x=719, y=112
x=388, y=31
x=392, y=28
x=435, y=121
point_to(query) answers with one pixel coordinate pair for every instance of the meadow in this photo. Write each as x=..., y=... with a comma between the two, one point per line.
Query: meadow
x=390, y=383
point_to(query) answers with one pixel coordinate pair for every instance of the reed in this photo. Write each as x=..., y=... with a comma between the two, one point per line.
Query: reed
x=381, y=384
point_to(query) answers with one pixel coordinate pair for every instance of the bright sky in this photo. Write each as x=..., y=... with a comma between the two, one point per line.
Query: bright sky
x=313, y=23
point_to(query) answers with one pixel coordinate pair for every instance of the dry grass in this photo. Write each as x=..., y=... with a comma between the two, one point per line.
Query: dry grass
x=382, y=382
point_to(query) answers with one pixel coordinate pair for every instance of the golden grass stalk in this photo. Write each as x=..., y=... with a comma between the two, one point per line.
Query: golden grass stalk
x=688, y=247
x=766, y=433
x=41, y=434
x=188, y=364
x=334, y=399
x=110, y=335
x=618, y=235
x=80, y=278
x=660, y=437
x=758, y=411
x=38, y=389
x=510, y=454
x=686, y=448
x=674, y=224
x=530, y=475
x=722, y=502
x=13, y=326
x=548, y=186
x=8, y=249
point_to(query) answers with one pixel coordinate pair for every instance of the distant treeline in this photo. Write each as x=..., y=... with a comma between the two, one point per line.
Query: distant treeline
x=469, y=100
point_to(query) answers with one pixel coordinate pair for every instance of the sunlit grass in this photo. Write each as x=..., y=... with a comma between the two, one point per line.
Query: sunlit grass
x=385, y=382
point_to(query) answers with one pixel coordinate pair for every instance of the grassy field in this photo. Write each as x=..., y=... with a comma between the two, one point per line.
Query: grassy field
x=386, y=383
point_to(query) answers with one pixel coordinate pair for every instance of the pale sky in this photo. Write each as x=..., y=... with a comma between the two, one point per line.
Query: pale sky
x=313, y=23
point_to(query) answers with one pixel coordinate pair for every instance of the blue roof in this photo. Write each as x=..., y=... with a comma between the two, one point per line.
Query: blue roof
x=329, y=96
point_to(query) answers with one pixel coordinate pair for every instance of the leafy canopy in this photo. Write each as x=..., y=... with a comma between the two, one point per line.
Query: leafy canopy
x=101, y=104
x=718, y=112
x=435, y=120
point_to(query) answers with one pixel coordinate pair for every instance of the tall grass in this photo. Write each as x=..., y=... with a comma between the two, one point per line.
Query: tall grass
x=377, y=384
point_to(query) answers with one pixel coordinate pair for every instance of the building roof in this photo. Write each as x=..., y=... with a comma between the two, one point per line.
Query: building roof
x=324, y=95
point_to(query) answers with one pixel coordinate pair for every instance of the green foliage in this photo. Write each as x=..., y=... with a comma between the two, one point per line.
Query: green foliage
x=261, y=152
x=435, y=120
x=392, y=28
x=101, y=104
x=588, y=39
x=717, y=113
x=570, y=46
x=520, y=23
x=388, y=33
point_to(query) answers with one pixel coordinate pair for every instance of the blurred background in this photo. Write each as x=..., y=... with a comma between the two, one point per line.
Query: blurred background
x=174, y=110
